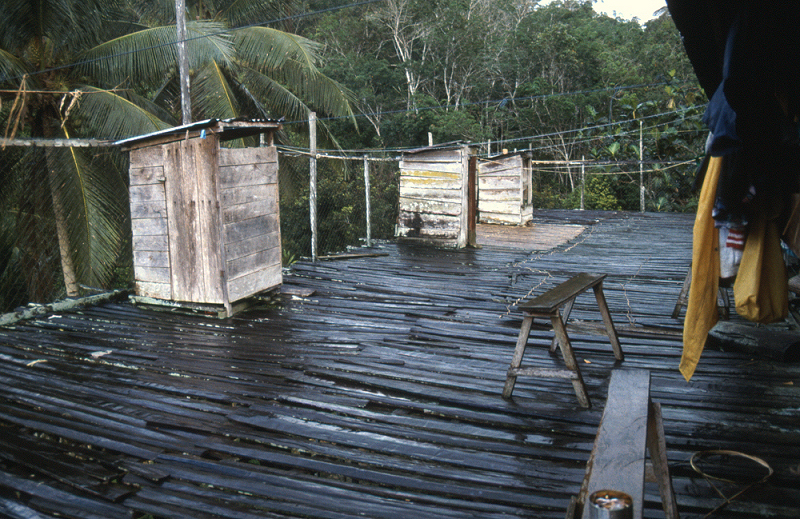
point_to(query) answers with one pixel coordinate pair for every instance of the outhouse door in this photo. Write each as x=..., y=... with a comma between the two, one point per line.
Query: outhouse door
x=191, y=185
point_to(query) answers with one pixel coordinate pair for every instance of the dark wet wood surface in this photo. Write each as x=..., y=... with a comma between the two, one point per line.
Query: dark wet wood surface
x=372, y=388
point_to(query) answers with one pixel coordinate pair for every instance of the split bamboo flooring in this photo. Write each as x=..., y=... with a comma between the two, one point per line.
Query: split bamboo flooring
x=371, y=387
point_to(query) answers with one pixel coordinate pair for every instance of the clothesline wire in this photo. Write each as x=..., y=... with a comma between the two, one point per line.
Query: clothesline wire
x=287, y=150
x=498, y=102
x=358, y=154
x=607, y=125
x=626, y=133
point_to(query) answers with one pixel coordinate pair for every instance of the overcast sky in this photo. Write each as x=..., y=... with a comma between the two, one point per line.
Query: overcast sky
x=627, y=9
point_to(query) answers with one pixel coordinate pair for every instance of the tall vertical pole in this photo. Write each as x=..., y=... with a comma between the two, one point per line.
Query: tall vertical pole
x=312, y=137
x=366, y=195
x=472, y=197
x=183, y=61
x=641, y=169
x=583, y=178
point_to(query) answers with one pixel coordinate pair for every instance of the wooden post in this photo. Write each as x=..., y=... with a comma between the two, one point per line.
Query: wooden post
x=529, y=175
x=312, y=132
x=583, y=179
x=641, y=169
x=472, y=199
x=464, y=219
x=366, y=196
x=183, y=61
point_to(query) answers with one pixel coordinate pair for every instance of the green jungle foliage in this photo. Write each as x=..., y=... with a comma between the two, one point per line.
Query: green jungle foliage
x=559, y=80
x=107, y=69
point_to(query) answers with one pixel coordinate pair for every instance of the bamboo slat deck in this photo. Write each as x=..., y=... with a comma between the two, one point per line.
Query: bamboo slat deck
x=372, y=388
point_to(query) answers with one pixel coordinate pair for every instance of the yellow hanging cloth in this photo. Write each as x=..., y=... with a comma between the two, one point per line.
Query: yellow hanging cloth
x=761, y=288
x=701, y=309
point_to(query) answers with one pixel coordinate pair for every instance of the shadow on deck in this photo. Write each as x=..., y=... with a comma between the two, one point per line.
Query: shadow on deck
x=372, y=388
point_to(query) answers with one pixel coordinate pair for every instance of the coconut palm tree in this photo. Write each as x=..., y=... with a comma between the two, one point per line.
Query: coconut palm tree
x=107, y=69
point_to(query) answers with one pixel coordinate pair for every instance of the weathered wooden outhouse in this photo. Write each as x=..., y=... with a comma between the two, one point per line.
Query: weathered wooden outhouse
x=505, y=192
x=438, y=200
x=205, y=218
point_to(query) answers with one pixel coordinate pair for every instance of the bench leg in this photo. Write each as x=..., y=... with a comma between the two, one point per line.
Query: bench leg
x=565, y=318
x=519, y=351
x=572, y=508
x=657, y=446
x=569, y=359
x=582, y=494
x=683, y=297
x=612, y=332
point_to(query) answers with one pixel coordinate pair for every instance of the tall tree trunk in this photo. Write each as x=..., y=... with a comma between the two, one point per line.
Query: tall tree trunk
x=67, y=262
x=49, y=130
x=406, y=32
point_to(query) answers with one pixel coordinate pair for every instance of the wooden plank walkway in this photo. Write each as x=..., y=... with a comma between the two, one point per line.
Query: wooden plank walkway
x=379, y=394
x=533, y=237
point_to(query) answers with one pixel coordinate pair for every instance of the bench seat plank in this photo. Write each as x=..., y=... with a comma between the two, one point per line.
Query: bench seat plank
x=618, y=458
x=544, y=373
x=551, y=300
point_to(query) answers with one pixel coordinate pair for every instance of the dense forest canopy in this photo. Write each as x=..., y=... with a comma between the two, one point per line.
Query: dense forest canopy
x=561, y=78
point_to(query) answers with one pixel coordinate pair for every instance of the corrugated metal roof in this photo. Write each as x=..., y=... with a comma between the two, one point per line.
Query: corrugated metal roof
x=227, y=128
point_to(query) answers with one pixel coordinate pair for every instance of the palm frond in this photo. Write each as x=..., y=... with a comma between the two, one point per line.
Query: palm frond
x=318, y=89
x=72, y=25
x=246, y=12
x=76, y=25
x=29, y=258
x=267, y=49
x=281, y=101
x=17, y=25
x=249, y=103
x=147, y=56
x=116, y=115
x=93, y=201
x=154, y=11
x=10, y=67
x=209, y=41
x=291, y=60
x=212, y=96
x=168, y=92
x=13, y=289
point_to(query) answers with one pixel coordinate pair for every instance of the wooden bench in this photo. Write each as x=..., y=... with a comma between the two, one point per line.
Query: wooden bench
x=631, y=425
x=723, y=299
x=549, y=305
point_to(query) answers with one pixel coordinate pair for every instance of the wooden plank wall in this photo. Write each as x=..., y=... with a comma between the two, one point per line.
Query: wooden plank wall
x=194, y=221
x=205, y=221
x=504, y=190
x=432, y=196
x=149, y=224
x=251, y=219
